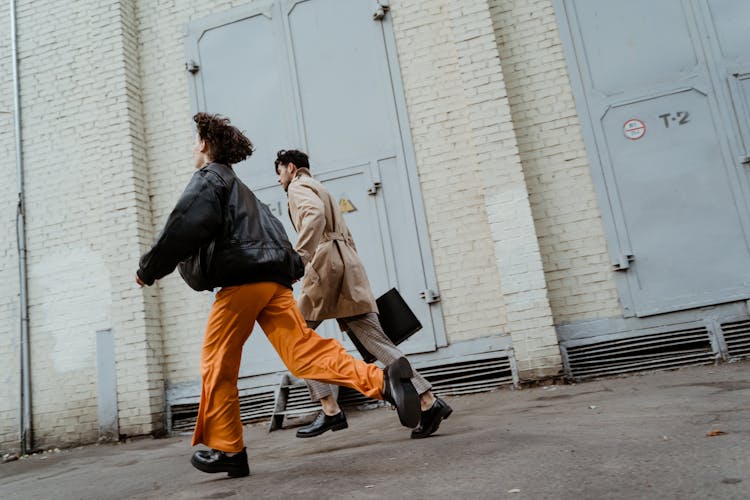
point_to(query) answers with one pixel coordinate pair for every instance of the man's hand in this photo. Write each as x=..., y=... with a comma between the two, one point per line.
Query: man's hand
x=139, y=281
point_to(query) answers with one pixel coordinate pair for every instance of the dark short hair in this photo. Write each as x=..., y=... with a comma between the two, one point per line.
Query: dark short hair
x=226, y=144
x=287, y=156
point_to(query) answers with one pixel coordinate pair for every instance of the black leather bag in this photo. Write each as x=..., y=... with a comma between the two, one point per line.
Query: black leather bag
x=397, y=320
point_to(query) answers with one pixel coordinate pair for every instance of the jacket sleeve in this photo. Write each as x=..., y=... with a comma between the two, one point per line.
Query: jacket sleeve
x=193, y=223
x=309, y=216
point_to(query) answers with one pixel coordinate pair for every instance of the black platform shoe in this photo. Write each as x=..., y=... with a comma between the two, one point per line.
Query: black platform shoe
x=323, y=423
x=431, y=419
x=400, y=392
x=213, y=461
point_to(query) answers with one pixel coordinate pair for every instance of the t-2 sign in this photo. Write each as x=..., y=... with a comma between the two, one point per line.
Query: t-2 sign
x=680, y=118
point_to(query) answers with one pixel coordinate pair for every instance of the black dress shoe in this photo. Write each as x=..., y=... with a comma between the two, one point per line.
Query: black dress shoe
x=399, y=391
x=431, y=419
x=213, y=461
x=323, y=423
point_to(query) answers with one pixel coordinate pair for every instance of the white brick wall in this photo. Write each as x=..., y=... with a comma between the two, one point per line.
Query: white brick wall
x=467, y=154
x=9, y=307
x=517, y=252
x=550, y=143
x=84, y=169
x=107, y=143
x=450, y=177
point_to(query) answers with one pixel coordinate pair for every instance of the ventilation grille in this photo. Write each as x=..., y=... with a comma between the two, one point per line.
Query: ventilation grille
x=649, y=352
x=447, y=380
x=737, y=338
x=183, y=417
x=469, y=377
x=253, y=407
x=450, y=380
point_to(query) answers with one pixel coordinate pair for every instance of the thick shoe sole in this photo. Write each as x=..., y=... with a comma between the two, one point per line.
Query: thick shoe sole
x=443, y=416
x=231, y=472
x=334, y=428
x=405, y=396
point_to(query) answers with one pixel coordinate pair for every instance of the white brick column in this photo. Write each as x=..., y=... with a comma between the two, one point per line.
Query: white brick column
x=518, y=257
x=141, y=384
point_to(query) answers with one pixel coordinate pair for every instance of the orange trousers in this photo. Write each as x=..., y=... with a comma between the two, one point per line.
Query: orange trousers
x=304, y=352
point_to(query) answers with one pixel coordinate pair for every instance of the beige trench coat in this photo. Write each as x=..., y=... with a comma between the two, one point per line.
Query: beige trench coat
x=335, y=284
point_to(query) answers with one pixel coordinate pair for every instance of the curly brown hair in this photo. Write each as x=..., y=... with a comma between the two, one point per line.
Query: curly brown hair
x=226, y=144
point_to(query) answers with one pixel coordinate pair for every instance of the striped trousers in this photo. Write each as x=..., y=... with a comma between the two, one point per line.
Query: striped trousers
x=369, y=332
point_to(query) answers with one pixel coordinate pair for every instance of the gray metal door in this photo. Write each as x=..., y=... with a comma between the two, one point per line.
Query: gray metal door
x=666, y=170
x=727, y=24
x=319, y=75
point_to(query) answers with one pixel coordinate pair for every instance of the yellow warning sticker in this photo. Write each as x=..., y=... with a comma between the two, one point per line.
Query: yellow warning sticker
x=346, y=206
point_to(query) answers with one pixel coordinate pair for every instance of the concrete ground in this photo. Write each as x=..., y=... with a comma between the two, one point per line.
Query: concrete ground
x=636, y=437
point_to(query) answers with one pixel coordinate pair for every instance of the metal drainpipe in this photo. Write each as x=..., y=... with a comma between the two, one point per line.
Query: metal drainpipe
x=25, y=409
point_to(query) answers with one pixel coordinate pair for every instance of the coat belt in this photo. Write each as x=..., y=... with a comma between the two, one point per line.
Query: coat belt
x=334, y=236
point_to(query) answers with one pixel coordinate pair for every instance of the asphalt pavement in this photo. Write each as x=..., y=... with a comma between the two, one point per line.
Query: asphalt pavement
x=679, y=434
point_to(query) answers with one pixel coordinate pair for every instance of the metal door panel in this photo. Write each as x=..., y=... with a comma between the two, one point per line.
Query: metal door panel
x=668, y=196
x=242, y=74
x=343, y=82
x=727, y=35
x=635, y=44
x=405, y=266
x=315, y=74
x=739, y=84
x=732, y=21
x=347, y=102
x=678, y=206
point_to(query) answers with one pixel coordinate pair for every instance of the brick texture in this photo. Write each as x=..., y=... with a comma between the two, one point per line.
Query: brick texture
x=84, y=163
x=566, y=213
x=512, y=218
x=450, y=179
x=9, y=307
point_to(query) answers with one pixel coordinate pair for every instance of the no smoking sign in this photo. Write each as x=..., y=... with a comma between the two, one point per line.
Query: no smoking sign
x=634, y=129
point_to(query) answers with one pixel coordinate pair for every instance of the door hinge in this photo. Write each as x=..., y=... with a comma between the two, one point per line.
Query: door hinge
x=429, y=296
x=191, y=67
x=381, y=11
x=624, y=263
x=373, y=189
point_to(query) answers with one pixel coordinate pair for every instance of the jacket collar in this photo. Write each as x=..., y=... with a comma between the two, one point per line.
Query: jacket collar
x=302, y=172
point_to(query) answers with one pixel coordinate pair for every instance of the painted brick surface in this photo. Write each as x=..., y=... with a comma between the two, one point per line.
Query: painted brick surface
x=550, y=143
x=450, y=178
x=517, y=252
x=460, y=121
x=9, y=307
x=84, y=172
x=107, y=142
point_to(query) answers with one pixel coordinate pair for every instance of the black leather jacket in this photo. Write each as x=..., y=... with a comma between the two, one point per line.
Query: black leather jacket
x=221, y=235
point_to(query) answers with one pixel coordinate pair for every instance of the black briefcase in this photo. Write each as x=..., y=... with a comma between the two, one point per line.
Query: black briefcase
x=397, y=320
